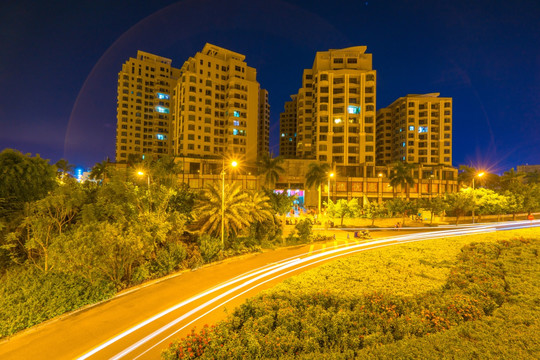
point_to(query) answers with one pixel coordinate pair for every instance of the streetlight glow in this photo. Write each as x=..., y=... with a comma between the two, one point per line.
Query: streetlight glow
x=140, y=173
x=481, y=174
x=234, y=163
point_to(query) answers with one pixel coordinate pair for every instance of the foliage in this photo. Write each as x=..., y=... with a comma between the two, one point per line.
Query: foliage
x=436, y=205
x=304, y=229
x=209, y=247
x=460, y=203
x=374, y=210
x=342, y=208
x=64, y=168
x=281, y=202
x=401, y=176
x=24, y=178
x=316, y=175
x=29, y=296
x=300, y=320
x=270, y=168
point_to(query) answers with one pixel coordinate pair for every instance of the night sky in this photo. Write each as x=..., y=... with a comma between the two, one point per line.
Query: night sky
x=59, y=62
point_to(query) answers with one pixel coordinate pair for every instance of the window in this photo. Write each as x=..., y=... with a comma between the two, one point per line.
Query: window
x=161, y=137
x=338, y=61
x=236, y=113
x=162, y=96
x=411, y=128
x=351, y=109
x=352, y=61
x=422, y=129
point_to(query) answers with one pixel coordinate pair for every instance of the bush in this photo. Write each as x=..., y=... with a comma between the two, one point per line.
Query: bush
x=29, y=297
x=307, y=322
x=209, y=247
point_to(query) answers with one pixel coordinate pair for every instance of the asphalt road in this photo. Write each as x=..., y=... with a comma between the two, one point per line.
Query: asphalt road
x=139, y=323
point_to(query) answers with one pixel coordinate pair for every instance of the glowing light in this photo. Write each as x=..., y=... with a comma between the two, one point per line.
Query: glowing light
x=337, y=120
x=351, y=109
x=234, y=163
x=236, y=113
x=480, y=174
x=162, y=96
x=161, y=109
x=422, y=129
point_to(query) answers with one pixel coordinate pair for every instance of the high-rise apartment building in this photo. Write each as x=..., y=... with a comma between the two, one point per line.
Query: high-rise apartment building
x=336, y=109
x=145, y=87
x=415, y=129
x=287, y=129
x=263, y=132
x=216, y=106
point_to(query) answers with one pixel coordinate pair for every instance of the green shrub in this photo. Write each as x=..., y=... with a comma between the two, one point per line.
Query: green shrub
x=29, y=297
x=309, y=323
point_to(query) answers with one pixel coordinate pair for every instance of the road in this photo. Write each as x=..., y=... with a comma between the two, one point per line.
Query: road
x=139, y=323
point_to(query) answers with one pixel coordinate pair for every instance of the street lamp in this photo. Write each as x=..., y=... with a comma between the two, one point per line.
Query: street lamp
x=233, y=164
x=141, y=173
x=480, y=174
x=329, y=177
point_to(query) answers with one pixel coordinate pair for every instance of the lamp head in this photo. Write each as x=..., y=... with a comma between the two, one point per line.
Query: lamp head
x=234, y=163
x=481, y=174
x=140, y=173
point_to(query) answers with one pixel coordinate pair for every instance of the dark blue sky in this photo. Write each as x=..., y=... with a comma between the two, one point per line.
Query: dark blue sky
x=59, y=62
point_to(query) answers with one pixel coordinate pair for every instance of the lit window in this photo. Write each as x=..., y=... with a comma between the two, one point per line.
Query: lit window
x=161, y=137
x=337, y=120
x=235, y=132
x=411, y=128
x=161, y=109
x=162, y=96
x=403, y=144
x=282, y=134
x=236, y=113
x=351, y=109
x=422, y=129
x=236, y=123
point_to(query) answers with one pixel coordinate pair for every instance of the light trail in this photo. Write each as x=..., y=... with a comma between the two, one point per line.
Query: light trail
x=288, y=265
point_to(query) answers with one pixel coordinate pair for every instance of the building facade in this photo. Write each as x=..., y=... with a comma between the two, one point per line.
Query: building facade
x=287, y=129
x=216, y=107
x=145, y=87
x=263, y=127
x=415, y=129
x=336, y=109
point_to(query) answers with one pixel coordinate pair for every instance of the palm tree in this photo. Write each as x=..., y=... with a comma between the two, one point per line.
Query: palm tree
x=261, y=208
x=510, y=179
x=466, y=174
x=316, y=175
x=532, y=177
x=401, y=175
x=100, y=171
x=270, y=168
x=237, y=210
x=64, y=168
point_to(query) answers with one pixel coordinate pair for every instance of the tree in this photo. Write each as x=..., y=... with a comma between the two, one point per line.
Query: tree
x=460, y=203
x=281, y=202
x=64, y=168
x=401, y=207
x=466, y=175
x=270, y=168
x=44, y=221
x=514, y=203
x=316, y=175
x=401, y=175
x=24, y=178
x=532, y=177
x=237, y=216
x=510, y=180
x=342, y=208
x=100, y=171
x=435, y=205
x=374, y=210
x=489, y=202
x=164, y=171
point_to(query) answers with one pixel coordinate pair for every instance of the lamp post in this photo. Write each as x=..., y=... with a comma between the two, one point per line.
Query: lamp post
x=141, y=173
x=233, y=164
x=380, y=190
x=474, y=196
x=331, y=175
